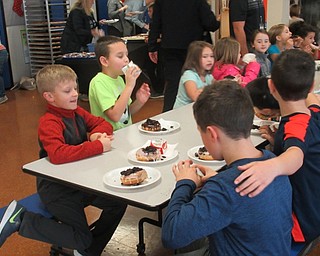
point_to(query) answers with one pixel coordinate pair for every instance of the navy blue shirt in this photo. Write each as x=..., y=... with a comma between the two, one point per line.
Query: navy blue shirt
x=303, y=131
x=235, y=225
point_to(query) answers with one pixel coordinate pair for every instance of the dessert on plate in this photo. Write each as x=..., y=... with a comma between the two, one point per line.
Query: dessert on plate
x=203, y=154
x=148, y=154
x=151, y=125
x=133, y=176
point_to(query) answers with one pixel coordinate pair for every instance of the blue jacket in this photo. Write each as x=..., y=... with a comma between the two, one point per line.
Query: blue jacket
x=235, y=225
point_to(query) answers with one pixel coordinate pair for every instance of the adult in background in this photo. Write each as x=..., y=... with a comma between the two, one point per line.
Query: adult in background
x=245, y=17
x=135, y=14
x=80, y=28
x=117, y=10
x=3, y=60
x=179, y=23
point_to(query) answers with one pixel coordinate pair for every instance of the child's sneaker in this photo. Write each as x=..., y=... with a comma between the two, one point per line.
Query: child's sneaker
x=3, y=99
x=11, y=221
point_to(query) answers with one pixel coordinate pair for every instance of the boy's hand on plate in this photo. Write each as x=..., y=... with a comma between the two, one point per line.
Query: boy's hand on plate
x=185, y=170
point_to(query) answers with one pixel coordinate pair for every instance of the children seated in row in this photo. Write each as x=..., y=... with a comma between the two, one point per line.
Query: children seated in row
x=234, y=225
x=109, y=95
x=196, y=72
x=66, y=133
x=227, y=56
x=296, y=143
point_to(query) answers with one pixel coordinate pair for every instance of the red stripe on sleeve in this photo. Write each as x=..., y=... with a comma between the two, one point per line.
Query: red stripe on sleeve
x=296, y=127
x=296, y=230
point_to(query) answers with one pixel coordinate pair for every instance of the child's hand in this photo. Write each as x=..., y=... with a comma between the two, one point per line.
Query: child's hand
x=131, y=76
x=289, y=44
x=255, y=178
x=206, y=171
x=297, y=41
x=143, y=93
x=184, y=170
x=267, y=133
x=98, y=135
x=106, y=141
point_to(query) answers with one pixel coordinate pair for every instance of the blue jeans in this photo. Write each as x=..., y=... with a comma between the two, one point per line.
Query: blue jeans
x=3, y=60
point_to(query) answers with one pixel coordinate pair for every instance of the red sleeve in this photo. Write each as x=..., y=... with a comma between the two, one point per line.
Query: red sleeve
x=94, y=123
x=50, y=134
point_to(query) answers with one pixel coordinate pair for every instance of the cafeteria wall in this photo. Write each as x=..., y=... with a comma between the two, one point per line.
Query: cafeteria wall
x=278, y=12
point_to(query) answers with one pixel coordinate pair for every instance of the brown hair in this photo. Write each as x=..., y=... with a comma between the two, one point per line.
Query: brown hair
x=194, y=56
x=225, y=98
x=293, y=74
x=295, y=10
x=51, y=75
x=226, y=50
x=275, y=31
x=256, y=32
x=102, y=46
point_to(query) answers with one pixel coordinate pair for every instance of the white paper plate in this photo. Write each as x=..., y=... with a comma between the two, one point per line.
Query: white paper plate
x=170, y=154
x=170, y=126
x=258, y=122
x=192, y=155
x=112, y=178
x=109, y=21
x=136, y=12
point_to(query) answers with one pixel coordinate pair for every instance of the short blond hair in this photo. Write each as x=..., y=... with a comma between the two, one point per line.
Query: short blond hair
x=51, y=75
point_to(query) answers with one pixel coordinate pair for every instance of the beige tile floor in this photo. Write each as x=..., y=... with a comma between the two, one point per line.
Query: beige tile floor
x=18, y=128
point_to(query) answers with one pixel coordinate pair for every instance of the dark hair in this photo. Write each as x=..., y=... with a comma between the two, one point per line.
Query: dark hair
x=227, y=105
x=293, y=74
x=102, y=46
x=256, y=32
x=300, y=28
x=260, y=94
x=295, y=10
x=194, y=55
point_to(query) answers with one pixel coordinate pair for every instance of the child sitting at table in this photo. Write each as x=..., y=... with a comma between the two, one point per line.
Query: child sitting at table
x=296, y=143
x=234, y=225
x=227, y=56
x=307, y=34
x=260, y=43
x=280, y=39
x=109, y=95
x=196, y=73
x=66, y=133
x=265, y=105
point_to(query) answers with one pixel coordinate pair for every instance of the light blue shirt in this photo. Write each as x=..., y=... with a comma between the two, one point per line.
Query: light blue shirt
x=134, y=6
x=190, y=75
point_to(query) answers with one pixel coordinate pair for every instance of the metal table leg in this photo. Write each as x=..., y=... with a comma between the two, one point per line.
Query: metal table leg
x=141, y=245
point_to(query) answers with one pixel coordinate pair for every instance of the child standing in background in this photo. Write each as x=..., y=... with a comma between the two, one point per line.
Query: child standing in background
x=227, y=56
x=260, y=43
x=3, y=60
x=280, y=39
x=196, y=72
x=109, y=95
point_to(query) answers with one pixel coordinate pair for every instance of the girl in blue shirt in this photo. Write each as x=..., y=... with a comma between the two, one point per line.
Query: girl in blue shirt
x=280, y=39
x=196, y=72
